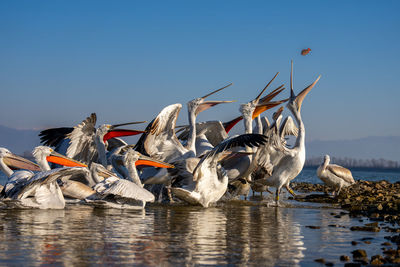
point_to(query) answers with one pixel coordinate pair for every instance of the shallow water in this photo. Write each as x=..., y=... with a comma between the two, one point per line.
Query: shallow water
x=237, y=232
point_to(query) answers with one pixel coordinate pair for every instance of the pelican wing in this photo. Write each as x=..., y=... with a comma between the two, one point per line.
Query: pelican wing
x=82, y=146
x=16, y=183
x=160, y=141
x=48, y=177
x=251, y=140
x=213, y=130
x=54, y=136
x=123, y=188
x=341, y=172
x=185, y=195
x=288, y=127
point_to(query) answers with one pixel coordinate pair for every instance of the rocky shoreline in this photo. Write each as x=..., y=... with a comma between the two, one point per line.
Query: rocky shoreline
x=379, y=201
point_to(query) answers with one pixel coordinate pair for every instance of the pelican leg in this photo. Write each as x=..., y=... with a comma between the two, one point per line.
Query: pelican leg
x=290, y=190
x=278, y=190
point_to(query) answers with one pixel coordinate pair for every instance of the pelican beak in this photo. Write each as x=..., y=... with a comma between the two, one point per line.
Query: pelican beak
x=265, y=88
x=120, y=132
x=261, y=108
x=277, y=113
x=57, y=158
x=271, y=95
x=229, y=125
x=144, y=160
x=128, y=123
x=208, y=104
x=300, y=97
x=16, y=162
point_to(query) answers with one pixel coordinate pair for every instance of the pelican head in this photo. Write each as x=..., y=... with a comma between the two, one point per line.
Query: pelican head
x=133, y=157
x=198, y=105
x=16, y=162
x=248, y=108
x=108, y=131
x=41, y=153
x=327, y=159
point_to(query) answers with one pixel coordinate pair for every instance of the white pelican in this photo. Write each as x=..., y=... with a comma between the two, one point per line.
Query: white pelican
x=292, y=160
x=334, y=175
x=160, y=140
x=41, y=190
x=122, y=191
x=210, y=179
x=85, y=142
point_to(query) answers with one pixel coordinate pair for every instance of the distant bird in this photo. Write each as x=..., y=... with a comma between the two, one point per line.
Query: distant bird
x=334, y=175
x=305, y=51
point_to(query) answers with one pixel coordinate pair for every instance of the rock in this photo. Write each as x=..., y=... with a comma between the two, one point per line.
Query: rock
x=365, y=228
x=344, y=258
x=354, y=243
x=391, y=252
x=374, y=224
x=377, y=260
x=313, y=227
x=359, y=253
x=321, y=260
x=367, y=242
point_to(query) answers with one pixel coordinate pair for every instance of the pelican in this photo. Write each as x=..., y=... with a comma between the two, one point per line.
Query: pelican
x=334, y=175
x=292, y=160
x=41, y=190
x=160, y=140
x=125, y=191
x=209, y=177
x=85, y=142
x=10, y=161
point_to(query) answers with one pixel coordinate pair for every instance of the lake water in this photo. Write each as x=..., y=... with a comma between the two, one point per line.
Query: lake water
x=232, y=233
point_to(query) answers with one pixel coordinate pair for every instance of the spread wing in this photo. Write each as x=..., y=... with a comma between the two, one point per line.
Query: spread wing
x=47, y=177
x=81, y=145
x=288, y=127
x=54, y=136
x=213, y=130
x=123, y=188
x=251, y=140
x=160, y=141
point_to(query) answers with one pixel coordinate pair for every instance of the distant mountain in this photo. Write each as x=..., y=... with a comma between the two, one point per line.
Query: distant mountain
x=374, y=147
x=18, y=141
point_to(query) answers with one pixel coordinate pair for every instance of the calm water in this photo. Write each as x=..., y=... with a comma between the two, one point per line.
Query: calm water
x=233, y=233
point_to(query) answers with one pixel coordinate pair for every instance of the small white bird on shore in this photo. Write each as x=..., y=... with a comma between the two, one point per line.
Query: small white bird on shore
x=334, y=175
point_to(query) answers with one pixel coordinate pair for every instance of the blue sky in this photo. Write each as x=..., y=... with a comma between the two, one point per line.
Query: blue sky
x=126, y=60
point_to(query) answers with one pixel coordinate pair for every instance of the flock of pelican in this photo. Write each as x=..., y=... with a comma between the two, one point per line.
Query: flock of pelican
x=198, y=163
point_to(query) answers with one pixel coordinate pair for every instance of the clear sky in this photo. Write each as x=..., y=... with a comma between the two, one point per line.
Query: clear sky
x=126, y=60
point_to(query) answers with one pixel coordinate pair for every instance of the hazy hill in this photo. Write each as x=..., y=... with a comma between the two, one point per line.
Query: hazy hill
x=374, y=147
x=19, y=141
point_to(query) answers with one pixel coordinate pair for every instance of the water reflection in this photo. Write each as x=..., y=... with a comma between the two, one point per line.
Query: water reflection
x=232, y=233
